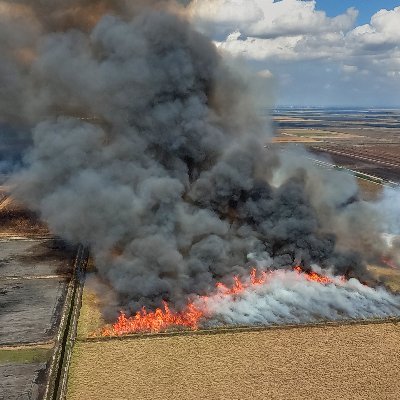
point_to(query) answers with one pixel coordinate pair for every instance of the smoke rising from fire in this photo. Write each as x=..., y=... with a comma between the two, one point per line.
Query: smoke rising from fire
x=267, y=298
x=289, y=297
x=149, y=149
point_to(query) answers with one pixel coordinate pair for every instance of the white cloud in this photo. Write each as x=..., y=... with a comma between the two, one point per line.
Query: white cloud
x=265, y=73
x=224, y=16
x=266, y=18
x=261, y=49
x=281, y=34
x=261, y=29
x=349, y=69
x=382, y=33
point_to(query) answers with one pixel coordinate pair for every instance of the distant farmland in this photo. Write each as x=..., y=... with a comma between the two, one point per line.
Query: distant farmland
x=358, y=361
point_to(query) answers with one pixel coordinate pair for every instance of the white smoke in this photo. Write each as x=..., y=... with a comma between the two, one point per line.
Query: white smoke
x=288, y=297
x=388, y=207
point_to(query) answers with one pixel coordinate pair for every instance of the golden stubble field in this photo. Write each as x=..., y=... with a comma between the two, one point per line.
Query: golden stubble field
x=360, y=361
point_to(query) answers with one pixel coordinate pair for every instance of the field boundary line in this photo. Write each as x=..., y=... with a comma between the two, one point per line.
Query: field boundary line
x=240, y=329
x=58, y=370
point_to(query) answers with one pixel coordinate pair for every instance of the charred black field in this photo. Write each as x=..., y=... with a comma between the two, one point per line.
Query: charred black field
x=35, y=273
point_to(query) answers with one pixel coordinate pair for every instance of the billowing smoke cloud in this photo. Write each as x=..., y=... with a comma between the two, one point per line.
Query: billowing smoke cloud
x=148, y=148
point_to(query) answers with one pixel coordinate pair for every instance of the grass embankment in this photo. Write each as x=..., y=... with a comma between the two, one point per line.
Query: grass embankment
x=26, y=355
x=90, y=317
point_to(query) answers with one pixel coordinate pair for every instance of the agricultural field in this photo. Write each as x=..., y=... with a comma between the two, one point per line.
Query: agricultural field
x=17, y=221
x=369, y=190
x=379, y=159
x=332, y=361
x=362, y=140
x=35, y=270
x=325, y=361
x=390, y=276
x=359, y=361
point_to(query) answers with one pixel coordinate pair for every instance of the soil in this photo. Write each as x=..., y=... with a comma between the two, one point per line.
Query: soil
x=21, y=381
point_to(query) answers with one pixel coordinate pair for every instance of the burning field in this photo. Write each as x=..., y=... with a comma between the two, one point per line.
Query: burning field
x=151, y=148
x=275, y=297
x=147, y=146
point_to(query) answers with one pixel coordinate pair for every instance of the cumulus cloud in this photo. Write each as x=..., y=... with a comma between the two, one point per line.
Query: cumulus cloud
x=283, y=33
x=261, y=49
x=264, y=29
x=269, y=19
x=382, y=33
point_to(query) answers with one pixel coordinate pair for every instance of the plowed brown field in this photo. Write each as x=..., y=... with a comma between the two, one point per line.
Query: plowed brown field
x=359, y=361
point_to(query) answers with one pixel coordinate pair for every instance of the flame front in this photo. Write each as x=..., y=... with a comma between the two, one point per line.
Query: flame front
x=163, y=319
x=314, y=277
x=239, y=286
x=389, y=262
x=159, y=320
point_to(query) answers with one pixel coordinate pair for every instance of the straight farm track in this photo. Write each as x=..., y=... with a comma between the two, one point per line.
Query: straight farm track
x=356, y=361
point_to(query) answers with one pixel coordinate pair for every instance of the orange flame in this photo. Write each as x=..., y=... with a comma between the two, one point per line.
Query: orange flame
x=157, y=321
x=163, y=319
x=313, y=276
x=389, y=262
x=240, y=286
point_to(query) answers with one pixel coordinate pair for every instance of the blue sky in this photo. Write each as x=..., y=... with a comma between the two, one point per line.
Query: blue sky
x=315, y=53
x=366, y=8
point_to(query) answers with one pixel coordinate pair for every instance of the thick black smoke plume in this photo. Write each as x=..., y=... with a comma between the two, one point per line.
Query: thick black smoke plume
x=149, y=148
